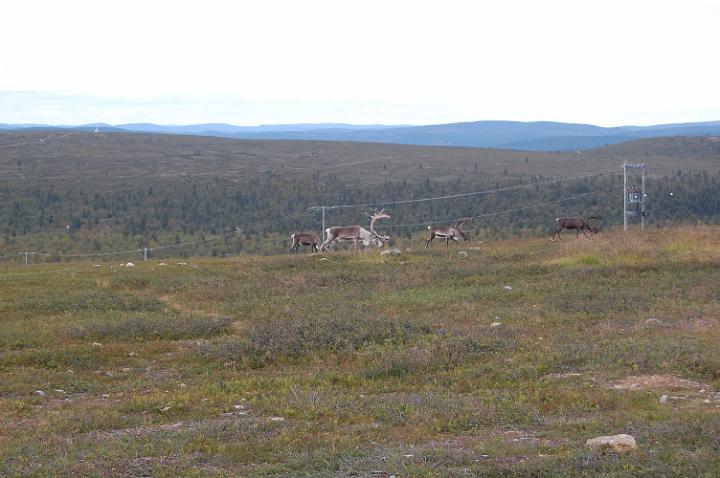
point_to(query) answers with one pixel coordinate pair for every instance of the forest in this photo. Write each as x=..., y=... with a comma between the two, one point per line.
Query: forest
x=61, y=216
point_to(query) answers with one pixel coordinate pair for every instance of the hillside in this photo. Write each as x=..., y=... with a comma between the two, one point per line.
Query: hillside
x=528, y=136
x=69, y=193
x=425, y=364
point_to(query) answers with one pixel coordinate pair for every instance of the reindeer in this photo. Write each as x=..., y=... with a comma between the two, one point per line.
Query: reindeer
x=447, y=232
x=306, y=239
x=577, y=223
x=357, y=233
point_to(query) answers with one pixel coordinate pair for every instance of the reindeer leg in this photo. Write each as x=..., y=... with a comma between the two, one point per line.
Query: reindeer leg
x=428, y=243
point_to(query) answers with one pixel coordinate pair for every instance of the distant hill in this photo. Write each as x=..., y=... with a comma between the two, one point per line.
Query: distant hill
x=526, y=136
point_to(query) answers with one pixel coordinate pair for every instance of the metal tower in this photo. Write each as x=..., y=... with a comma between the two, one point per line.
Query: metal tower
x=634, y=198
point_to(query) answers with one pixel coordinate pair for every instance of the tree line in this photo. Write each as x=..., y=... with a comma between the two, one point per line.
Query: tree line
x=72, y=217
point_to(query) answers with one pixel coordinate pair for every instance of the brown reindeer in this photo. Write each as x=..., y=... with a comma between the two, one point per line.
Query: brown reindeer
x=306, y=239
x=577, y=223
x=447, y=232
x=357, y=233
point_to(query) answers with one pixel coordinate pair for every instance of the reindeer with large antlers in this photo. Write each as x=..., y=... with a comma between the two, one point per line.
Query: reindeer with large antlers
x=357, y=233
x=447, y=232
x=577, y=223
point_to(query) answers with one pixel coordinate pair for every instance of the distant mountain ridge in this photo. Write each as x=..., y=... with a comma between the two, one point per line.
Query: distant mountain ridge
x=528, y=136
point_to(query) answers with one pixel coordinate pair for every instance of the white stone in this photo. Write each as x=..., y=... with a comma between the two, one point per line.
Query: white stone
x=393, y=251
x=129, y=264
x=664, y=399
x=495, y=324
x=41, y=393
x=507, y=287
x=619, y=443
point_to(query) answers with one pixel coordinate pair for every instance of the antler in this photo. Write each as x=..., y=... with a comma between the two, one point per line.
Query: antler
x=462, y=222
x=376, y=216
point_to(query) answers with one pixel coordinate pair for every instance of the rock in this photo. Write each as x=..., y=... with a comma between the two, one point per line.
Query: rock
x=653, y=321
x=620, y=443
x=495, y=324
x=393, y=251
x=164, y=409
x=664, y=399
x=276, y=419
x=462, y=254
x=507, y=287
x=129, y=264
x=97, y=344
x=41, y=394
x=162, y=264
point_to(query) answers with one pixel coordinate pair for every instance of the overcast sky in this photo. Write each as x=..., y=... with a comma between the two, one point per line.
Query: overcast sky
x=607, y=62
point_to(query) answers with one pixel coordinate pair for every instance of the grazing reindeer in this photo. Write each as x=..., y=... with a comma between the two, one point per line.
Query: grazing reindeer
x=357, y=233
x=447, y=232
x=577, y=223
x=306, y=239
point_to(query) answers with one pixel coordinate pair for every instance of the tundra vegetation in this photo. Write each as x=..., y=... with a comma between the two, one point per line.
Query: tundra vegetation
x=502, y=363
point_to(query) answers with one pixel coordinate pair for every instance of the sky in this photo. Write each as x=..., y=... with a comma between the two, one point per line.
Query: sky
x=249, y=62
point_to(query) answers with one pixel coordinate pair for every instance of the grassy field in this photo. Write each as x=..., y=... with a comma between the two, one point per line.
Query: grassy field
x=422, y=364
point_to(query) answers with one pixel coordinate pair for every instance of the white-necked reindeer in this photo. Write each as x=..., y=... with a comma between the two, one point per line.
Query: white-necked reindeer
x=306, y=239
x=357, y=233
x=447, y=232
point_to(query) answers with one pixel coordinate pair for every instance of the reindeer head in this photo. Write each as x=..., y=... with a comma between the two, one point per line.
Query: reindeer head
x=376, y=216
x=591, y=228
x=459, y=224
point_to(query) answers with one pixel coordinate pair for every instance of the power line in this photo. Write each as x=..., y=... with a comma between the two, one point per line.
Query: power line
x=474, y=193
x=500, y=213
x=261, y=225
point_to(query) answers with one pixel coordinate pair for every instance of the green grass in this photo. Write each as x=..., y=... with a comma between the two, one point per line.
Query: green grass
x=354, y=364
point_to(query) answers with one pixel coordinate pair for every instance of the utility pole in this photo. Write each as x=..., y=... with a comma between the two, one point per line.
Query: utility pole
x=642, y=198
x=322, y=209
x=26, y=254
x=144, y=250
x=323, y=223
x=631, y=196
x=625, y=197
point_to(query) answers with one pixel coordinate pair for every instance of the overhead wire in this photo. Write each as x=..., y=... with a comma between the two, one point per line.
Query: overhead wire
x=473, y=193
